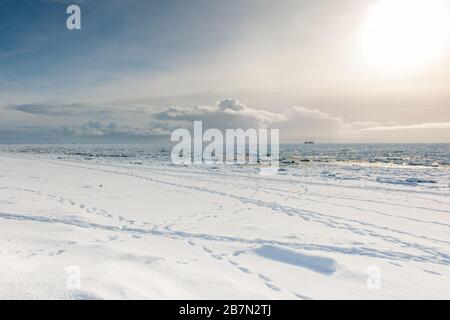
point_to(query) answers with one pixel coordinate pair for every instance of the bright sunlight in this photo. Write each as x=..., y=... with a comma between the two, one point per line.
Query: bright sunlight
x=405, y=35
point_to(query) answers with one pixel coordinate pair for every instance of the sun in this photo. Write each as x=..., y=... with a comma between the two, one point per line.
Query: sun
x=405, y=35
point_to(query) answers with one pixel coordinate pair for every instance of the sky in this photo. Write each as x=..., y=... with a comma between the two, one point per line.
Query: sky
x=323, y=70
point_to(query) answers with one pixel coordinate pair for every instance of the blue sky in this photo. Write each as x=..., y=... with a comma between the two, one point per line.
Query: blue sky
x=117, y=37
x=294, y=61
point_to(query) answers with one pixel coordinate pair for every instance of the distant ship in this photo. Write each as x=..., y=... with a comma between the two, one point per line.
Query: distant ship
x=309, y=142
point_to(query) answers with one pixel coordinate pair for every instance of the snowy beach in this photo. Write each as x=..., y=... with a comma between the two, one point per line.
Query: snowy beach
x=152, y=230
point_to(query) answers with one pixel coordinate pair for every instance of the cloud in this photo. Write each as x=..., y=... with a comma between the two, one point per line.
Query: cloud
x=128, y=120
x=96, y=128
x=427, y=125
x=75, y=109
x=295, y=124
x=92, y=130
x=227, y=113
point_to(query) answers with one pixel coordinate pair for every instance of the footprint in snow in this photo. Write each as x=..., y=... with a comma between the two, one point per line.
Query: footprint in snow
x=272, y=287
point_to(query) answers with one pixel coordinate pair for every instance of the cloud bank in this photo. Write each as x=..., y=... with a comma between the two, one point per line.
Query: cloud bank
x=296, y=124
x=227, y=113
x=96, y=129
x=75, y=109
x=427, y=125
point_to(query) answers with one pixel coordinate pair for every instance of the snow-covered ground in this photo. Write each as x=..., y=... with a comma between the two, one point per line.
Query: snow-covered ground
x=153, y=231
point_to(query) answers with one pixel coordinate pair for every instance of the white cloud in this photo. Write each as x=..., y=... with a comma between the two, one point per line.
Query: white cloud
x=427, y=125
x=227, y=113
x=296, y=123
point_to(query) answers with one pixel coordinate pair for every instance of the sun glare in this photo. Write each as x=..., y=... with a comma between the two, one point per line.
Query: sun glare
x=406, y=35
